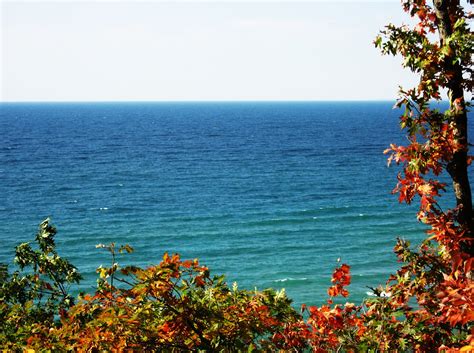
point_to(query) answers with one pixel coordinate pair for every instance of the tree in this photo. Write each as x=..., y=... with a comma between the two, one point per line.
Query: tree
x=428, y=305
x=439, y=274
x=450, y=21
x=442, y=64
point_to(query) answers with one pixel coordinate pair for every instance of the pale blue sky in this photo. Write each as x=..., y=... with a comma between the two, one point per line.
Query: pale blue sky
x=195, y=50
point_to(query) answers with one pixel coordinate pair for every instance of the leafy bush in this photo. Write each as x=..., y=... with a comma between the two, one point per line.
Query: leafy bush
x=175, y=305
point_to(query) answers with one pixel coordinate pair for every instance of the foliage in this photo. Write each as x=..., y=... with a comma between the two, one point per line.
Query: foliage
x=37, y=291
x=175, y=305
x=439, y=274
x=426, y=306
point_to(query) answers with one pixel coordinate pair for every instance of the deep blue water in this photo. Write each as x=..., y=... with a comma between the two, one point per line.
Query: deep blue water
x=269, y=194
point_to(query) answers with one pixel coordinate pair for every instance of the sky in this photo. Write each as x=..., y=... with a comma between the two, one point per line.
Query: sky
x=197, y=50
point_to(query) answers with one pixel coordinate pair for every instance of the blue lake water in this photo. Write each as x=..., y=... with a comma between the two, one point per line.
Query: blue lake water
x=269, y=194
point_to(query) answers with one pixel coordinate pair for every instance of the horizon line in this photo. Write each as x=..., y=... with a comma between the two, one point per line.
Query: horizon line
x=204, y=101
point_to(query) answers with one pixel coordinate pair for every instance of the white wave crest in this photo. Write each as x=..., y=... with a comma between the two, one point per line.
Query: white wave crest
x=290, y=279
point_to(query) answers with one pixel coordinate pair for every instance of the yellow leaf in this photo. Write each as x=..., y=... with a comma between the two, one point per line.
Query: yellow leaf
x=425, y=189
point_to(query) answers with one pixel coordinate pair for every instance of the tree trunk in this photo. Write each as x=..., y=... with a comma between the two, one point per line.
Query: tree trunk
x=446, y=13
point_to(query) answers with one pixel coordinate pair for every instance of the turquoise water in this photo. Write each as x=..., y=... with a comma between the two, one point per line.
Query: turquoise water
x=269, y=194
